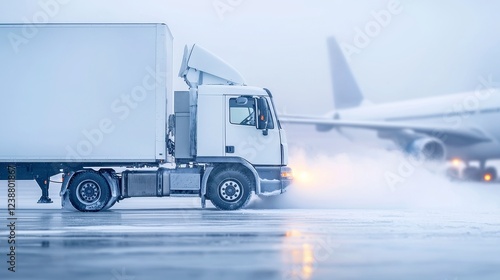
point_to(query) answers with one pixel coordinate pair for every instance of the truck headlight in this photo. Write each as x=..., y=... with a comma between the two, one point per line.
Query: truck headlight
x=286, y=173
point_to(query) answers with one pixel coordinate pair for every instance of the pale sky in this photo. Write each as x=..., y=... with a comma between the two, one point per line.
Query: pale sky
x=427, y=48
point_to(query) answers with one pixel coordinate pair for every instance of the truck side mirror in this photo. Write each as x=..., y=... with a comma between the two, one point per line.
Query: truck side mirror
x=263, y=117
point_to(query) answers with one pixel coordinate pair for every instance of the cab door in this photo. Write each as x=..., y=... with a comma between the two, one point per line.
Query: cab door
x=244, y=139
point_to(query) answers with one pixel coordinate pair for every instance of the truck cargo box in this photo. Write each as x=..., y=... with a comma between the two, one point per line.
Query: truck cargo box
x=84, y=92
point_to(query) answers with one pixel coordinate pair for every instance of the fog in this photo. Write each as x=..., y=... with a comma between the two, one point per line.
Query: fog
x=353, y=175
x=421, y=48
x=397, y=50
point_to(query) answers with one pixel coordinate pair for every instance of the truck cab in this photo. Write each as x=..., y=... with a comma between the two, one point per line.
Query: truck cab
x=225, y=123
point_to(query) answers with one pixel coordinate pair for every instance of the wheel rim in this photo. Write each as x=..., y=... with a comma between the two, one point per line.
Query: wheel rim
x=88, y=192
x=230, y=190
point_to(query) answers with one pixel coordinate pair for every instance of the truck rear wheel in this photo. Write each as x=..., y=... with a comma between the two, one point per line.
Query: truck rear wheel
x=230, y=189
x=89, y=192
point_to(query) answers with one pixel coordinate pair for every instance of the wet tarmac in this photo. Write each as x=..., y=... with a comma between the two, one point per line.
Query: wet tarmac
x=173, y=238
x=191, y=243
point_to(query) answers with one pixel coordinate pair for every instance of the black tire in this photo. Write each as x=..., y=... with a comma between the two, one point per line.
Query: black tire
x=89, y=191
x=230, y=189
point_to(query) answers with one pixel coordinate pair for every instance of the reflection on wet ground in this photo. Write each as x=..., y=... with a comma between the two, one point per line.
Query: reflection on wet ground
x=253, y=244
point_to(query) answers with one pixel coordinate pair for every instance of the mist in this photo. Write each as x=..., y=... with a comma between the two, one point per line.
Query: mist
x=364, y=177
x=425, y=48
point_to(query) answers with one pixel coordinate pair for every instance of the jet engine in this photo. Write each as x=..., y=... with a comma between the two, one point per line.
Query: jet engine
x=428, y=148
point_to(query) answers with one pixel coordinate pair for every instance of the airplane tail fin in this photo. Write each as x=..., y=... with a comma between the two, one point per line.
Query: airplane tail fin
x=346, y=92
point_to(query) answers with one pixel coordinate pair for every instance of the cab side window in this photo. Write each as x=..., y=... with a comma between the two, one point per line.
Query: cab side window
x=242, y=111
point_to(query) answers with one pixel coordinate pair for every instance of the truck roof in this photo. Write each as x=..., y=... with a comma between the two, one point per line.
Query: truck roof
x=229, y=89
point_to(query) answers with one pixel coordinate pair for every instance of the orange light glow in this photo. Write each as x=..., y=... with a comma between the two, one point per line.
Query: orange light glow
x=487, y=177
x=299, y=256
x=307, y=261
x=286, y=174
x=303, y=177
x=308, y=255
x=456, y=162
x=293, y=233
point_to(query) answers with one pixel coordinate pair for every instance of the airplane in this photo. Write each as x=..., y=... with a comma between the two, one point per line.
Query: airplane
x=459, y=128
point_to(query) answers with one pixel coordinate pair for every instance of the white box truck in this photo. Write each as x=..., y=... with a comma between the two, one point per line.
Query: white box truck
x=90, y=101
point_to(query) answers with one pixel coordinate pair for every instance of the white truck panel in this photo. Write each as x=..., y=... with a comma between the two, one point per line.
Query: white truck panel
x=84, y=92
x=250, y=143
x=211, y=127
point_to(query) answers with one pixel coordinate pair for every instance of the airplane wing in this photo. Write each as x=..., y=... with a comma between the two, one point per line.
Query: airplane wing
x=446, y=134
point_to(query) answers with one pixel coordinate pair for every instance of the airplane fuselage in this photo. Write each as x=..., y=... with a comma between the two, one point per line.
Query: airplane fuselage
x=478, y=110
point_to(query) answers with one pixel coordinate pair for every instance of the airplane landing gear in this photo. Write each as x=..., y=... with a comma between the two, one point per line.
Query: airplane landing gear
x=453, y=173
x=473, y=173
x=489, y=174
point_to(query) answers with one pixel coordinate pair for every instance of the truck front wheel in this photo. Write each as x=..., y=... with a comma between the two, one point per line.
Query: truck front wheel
x=230, y=189
x=89, y=191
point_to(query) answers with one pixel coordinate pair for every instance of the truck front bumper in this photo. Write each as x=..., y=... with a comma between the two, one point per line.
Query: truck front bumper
x=274, y=180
